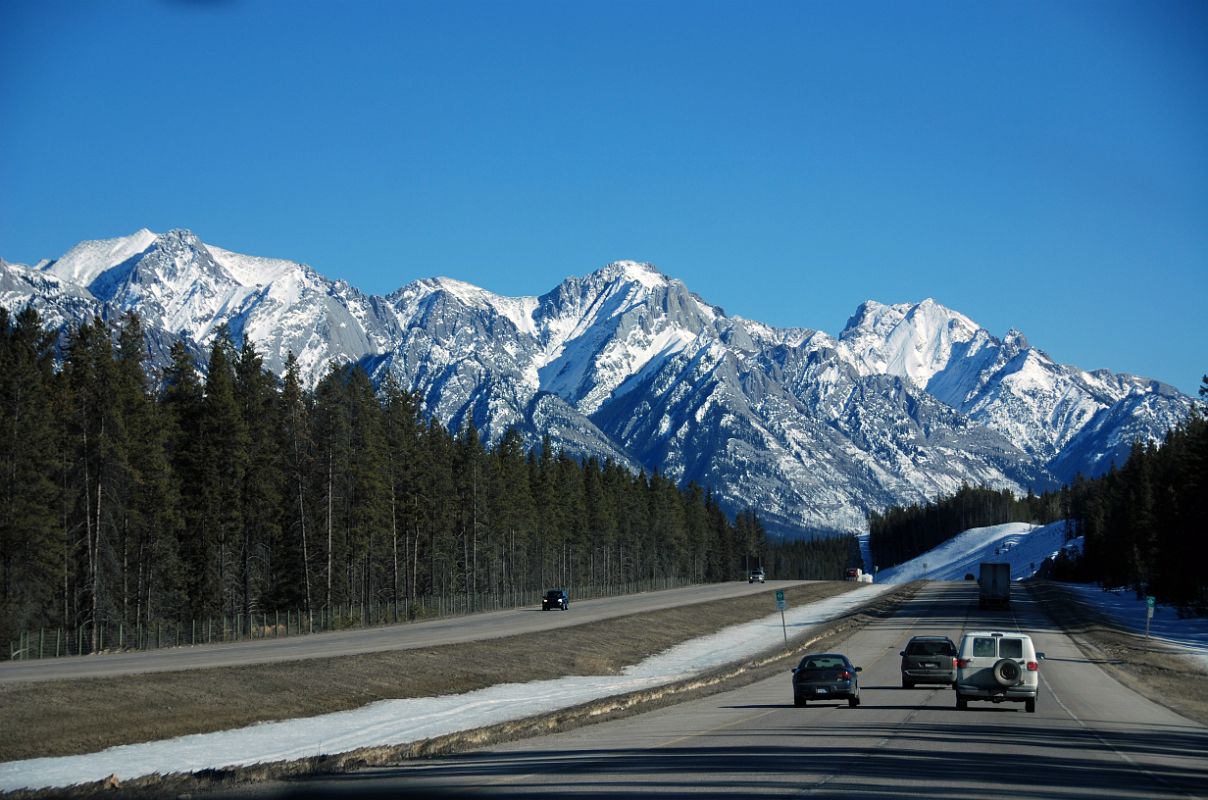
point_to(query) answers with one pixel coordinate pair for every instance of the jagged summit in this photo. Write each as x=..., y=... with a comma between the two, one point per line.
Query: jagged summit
x=909, y=401
x=634, y=271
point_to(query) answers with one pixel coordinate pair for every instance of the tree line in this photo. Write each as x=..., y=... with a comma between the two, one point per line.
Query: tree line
x=138, y=498
x=1144, y=523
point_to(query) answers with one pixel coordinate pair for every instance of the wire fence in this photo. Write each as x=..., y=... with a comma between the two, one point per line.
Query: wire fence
x=116, y=636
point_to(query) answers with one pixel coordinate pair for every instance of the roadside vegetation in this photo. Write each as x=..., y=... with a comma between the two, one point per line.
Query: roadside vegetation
x=1143, y=523
x=177, y=506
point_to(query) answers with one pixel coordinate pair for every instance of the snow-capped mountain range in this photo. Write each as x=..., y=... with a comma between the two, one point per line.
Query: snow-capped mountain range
x=907, y=403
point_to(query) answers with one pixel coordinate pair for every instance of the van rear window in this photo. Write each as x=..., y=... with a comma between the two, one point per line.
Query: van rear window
x=1010, y=648
x=983, y=647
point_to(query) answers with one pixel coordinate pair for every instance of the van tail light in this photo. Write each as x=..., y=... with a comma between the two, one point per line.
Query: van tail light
x=1033, y=666
x=963, y=662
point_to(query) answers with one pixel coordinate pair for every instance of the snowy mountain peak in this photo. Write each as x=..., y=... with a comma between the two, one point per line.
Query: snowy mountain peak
x=1016, y=339
x=634, y=272
x=85, y=262
x=910, y=401
x=911, y=341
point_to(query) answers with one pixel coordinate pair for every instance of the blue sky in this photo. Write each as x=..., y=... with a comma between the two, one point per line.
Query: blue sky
x=1034, y=165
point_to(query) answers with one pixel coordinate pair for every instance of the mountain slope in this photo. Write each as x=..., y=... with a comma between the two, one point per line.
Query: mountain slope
x=908, y=402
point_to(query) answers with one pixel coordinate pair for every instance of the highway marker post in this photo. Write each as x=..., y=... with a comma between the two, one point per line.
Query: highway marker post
x=780, y=605
x=1149, y=602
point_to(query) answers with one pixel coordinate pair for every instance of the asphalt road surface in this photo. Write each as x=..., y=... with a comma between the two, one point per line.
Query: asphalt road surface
x=473, y=627
x=1090, y=737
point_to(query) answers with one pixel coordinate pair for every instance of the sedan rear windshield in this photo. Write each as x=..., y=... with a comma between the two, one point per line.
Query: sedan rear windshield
x=822, y=663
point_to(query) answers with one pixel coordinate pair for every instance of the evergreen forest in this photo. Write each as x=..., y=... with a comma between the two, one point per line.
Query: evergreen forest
x=132, y=501
x=1144, y=524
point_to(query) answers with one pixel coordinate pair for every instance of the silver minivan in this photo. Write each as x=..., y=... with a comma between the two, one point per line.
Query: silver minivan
x=998, y=667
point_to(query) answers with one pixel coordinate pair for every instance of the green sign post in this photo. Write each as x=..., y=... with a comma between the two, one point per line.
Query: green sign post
x=780, y=605
x=1149, y=603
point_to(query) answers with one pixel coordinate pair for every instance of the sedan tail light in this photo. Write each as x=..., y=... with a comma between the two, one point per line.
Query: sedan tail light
x=845, y=675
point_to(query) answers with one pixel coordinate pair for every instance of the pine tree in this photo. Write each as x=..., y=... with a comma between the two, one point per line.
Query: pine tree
x=181, y=407
x=31, y=550
x=100, y=472
x=368, y=494
x=293, y=577
x=152, y=582
x=263, y=487
x=402, y=423
x=224, y=468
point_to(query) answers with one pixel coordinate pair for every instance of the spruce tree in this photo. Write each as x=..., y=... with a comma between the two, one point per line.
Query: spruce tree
x=262, y=490
x=225, y=445
x=181, y=408
x=31, y=547
x=152, y=581
x=292, y=586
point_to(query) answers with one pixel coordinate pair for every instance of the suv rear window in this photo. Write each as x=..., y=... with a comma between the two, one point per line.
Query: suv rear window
x=983, y=647
x=1010, y=648
x=927, y=649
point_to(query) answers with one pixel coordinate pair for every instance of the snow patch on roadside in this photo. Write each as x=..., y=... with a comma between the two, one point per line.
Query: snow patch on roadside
x=398, y=722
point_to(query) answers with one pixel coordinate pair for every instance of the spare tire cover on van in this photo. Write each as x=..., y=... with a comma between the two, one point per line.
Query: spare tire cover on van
x=1007, y=672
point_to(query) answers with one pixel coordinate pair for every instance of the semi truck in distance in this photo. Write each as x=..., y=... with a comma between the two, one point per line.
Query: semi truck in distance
x=994, y=585
x=857, y=574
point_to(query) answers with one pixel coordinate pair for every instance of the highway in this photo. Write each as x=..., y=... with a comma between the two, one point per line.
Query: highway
x=1090, y=737
x=451, y=630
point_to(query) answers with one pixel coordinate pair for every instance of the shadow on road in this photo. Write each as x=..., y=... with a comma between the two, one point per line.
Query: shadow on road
x=1056, y=764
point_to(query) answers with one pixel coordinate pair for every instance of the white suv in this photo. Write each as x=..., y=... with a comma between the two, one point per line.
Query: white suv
x=998, y=667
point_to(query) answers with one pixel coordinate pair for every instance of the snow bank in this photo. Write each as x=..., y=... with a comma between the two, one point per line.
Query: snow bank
x=397, y=722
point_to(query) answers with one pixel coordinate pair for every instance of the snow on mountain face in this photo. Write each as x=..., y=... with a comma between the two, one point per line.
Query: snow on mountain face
x=909, y=402
x=83, y=263
x=911, y=342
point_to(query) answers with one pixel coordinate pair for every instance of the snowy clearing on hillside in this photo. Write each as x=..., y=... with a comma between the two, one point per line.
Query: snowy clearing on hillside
x=1023, y=546
x=397, y=722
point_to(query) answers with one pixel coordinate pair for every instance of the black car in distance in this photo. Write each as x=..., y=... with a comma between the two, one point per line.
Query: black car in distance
x=826, y=676
x=555, y=598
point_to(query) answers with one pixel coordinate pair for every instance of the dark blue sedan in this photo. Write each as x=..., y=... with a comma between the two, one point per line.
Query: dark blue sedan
x=826, y=676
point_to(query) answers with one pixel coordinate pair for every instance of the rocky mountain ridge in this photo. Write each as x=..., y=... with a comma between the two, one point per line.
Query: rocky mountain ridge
x=909, y=401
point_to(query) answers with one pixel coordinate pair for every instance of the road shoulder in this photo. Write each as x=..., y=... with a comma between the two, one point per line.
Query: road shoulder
x=1150, y=667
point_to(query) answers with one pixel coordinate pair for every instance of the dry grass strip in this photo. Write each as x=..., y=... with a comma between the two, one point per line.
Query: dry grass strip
x=611, y=645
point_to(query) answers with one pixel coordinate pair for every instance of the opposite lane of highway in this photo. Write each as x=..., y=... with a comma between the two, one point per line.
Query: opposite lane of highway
x=434, y=633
